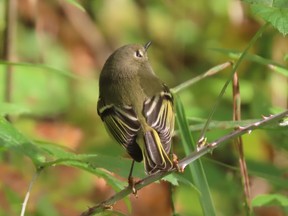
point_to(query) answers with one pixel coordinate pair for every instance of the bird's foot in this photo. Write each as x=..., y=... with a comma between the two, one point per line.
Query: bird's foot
x=176, y=163
x=131, y=184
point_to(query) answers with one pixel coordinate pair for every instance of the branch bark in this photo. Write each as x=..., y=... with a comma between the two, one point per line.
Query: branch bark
x=107, y=204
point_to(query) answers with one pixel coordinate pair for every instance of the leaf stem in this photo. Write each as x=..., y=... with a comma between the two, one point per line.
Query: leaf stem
x=37, y=173
x=210, y=72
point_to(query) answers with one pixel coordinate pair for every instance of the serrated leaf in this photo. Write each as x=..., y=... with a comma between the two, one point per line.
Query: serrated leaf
x=270, y=3
x=172, y=179
x=278, y=17
x=262, y=2
x=272, y=11
x=175, y=178
x=270, y=199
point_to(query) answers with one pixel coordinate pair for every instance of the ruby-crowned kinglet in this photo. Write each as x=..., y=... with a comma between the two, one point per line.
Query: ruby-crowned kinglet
x=136, y=107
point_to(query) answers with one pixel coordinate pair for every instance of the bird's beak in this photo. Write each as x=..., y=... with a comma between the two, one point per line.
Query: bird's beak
x=146, y=46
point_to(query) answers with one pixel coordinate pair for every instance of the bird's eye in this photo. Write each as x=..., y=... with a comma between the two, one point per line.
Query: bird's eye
x=139, y=54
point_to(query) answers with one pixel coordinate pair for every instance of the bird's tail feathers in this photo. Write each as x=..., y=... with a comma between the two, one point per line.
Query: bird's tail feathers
x=155, y=157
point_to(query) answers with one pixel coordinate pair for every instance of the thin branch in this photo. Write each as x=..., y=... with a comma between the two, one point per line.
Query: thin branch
x=224, y=125
x=11, y=17
x=107, y=204
x=239, y=143
x=29, y=190
x=210, y=72
x=239, y=132
x=235, y=67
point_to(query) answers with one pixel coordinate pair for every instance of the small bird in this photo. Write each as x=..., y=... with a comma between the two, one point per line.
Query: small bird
x=137, y=107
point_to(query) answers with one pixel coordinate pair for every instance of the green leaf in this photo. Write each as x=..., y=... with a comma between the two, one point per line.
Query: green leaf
x=117, y=165
x=257, y=59
x=12, y=139
x=61, y=156
x=12, y=109
x=46, y=155
x=175, y=178
x=270, y=199
x=272, y=11
x=271, y=3
x=196, y=169
x=276, y=16
x=116, y=184
x=172, y=179
x=100, y=165
x=76, y=4
x=226, y=125
x=41, y=66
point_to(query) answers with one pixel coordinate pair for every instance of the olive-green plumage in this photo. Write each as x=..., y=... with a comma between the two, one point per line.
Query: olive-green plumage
x=136, y=107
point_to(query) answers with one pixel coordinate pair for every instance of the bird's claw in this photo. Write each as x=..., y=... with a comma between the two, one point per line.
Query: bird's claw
x=131, y=184
x=176, y=163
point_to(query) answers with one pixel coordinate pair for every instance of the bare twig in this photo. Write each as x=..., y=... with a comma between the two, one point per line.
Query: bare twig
x=184, y=162
x=29, y=190
x=11, y=16
x=225, y=125
x=210, y=72
x=238, y=141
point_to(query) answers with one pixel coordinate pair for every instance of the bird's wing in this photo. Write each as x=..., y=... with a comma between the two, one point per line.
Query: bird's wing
x=159, y=114
x=122, y=123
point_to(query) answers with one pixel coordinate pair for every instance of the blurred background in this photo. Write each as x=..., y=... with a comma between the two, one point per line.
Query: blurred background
x=61, y=97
